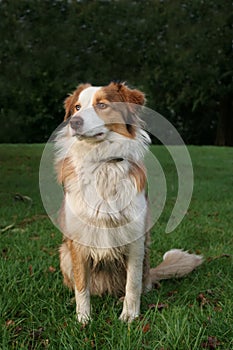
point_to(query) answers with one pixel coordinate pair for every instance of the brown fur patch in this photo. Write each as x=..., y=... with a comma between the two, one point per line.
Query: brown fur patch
x=80, y=265
x=121, y=129
x=120, y=114
x=63, y=251
x=118, y=92
x=138, y=172
x=65, y=171
x=70, y=101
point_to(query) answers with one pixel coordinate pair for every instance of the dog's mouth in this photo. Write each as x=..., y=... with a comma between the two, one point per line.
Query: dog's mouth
x=98, y=136
x=95, y=134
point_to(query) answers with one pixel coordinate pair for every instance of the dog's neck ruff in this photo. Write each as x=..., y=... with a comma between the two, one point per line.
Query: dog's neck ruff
x=103, y=207
x=115, y=148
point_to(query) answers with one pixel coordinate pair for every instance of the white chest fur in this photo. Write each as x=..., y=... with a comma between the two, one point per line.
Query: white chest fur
x=102, y=206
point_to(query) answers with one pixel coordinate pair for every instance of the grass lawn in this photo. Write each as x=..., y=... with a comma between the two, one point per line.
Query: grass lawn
x=196, y=312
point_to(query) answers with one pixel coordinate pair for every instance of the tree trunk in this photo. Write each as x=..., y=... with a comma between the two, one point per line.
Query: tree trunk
x=224, y=135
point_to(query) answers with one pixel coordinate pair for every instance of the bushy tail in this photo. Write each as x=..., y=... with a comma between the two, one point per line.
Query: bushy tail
x=176, y=263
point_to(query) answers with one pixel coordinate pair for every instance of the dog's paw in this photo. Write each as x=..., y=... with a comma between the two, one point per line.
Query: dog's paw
x=128, y=316
x=83, y=318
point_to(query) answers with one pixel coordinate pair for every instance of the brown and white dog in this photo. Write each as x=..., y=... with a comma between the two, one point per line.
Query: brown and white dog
x=104, y=216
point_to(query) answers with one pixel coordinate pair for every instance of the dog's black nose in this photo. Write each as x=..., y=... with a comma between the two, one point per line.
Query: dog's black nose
x=76, y=123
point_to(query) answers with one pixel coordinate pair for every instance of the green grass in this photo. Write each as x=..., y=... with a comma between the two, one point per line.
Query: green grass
x=196, y=312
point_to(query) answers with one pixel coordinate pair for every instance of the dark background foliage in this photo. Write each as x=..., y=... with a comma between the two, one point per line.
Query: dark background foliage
x=178, y=52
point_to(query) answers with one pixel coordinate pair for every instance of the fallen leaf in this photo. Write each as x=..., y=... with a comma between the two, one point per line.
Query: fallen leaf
x=92, y=342
x=159, y=306
x=211, y=343
x=52, y=269
x=218, y=308
x=17, y=330
x=146, y=328
x=9, y=322
x=48, y=251
x=171, y=293
x=202, y=300
x=37, y=333
x=30, y=270
x=162, y=306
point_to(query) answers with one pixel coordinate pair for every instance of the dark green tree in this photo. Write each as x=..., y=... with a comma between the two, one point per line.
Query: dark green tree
x=178, y=52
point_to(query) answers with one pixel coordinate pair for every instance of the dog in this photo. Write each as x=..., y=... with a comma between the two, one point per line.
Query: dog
x=105, y=214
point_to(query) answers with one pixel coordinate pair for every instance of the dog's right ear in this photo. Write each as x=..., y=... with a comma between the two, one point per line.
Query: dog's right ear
x=70, y=101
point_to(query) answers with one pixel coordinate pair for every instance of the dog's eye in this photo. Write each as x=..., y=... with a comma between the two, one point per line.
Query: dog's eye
x=77, y=107
x=102, y=105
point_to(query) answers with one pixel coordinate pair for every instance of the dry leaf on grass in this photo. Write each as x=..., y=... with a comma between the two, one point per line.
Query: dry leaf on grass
x=146, y=328
x=52, y=269
x=9, y=323
x=202, y=300
x=159, y=306
x=36, y=334
x=30, y=268
x=211, y=343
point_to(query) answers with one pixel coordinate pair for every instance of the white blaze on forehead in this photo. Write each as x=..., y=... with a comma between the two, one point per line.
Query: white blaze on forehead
x=92, y=124
x=86, y=96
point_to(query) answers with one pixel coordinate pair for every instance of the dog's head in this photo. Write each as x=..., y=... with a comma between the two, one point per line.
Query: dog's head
x=95, y=112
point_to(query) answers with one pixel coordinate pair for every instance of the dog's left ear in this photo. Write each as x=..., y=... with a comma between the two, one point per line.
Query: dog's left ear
x=133, y=96
x=135, y=99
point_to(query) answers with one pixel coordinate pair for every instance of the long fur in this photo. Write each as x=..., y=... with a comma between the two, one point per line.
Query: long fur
x=104, y=216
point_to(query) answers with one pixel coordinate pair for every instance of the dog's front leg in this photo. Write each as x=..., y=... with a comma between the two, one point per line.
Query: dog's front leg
x=81, y=273
x=131, y=306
